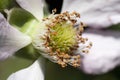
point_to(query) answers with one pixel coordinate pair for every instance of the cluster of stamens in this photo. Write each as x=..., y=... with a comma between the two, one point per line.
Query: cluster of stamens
x=63, y=53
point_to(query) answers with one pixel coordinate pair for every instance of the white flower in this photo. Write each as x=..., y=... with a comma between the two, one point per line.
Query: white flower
x=105, y=52
x=104, y=43
x=54, y=37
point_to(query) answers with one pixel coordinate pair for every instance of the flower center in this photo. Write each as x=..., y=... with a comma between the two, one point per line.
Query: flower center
x=62, y=39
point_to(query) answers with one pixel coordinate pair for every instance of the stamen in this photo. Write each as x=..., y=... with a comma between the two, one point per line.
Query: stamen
x=62, y=39
x=54, y=11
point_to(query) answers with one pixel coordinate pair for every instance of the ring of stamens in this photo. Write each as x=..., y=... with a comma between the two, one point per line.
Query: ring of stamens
x=62, y=52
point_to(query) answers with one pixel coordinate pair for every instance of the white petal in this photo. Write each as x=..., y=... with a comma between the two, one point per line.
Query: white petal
x=95, y=13
x=105, y=52
x=34, y=72
x=11, y=40
x=35, y=7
